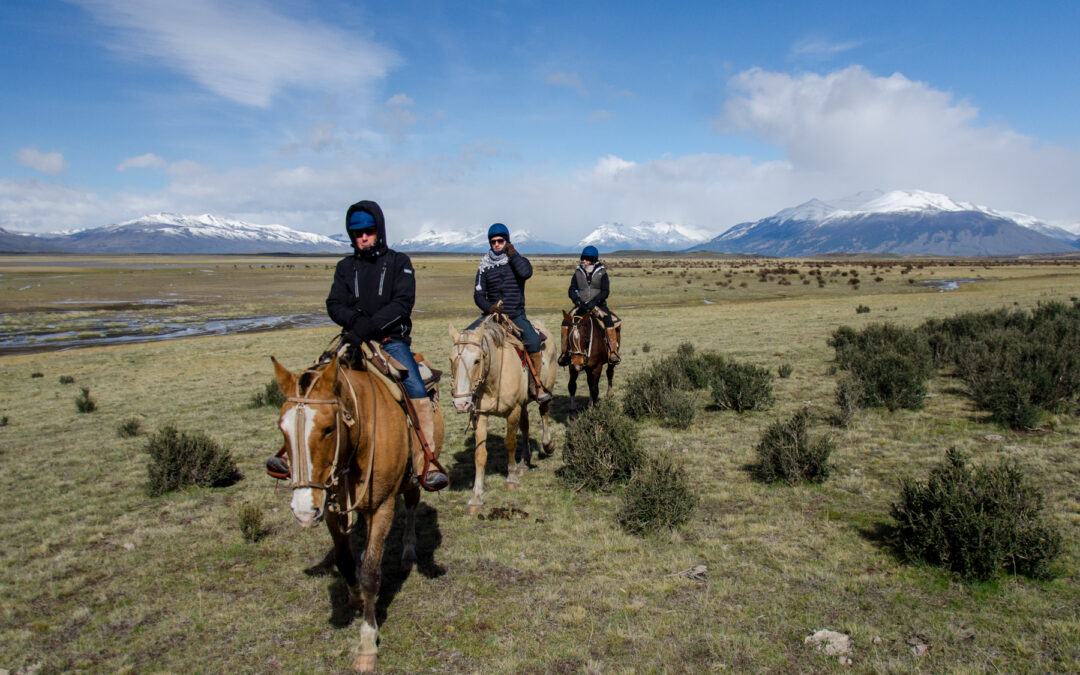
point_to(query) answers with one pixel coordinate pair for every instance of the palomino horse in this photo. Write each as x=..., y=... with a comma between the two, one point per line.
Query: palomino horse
x=349, y=448
x=490, y=378
x=588, y=349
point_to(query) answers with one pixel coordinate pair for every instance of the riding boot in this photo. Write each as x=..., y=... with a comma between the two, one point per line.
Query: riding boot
x=425, y=422
x=613, y=345
x=564, y=356
x=541, y=394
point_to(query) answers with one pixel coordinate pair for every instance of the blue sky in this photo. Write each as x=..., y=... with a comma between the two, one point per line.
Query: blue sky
x=549, y=116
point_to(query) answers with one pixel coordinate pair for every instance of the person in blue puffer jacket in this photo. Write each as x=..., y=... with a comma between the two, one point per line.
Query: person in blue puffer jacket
x=500, y=286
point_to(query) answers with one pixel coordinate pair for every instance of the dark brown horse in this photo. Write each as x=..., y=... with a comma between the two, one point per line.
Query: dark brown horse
x=349, y=448
x=587, y=346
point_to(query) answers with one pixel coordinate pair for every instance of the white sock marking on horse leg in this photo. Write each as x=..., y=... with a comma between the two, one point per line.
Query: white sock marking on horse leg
x=369, y=637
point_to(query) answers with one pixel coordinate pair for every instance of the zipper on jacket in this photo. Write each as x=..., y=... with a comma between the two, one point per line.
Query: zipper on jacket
x=356, y=283
x=382, y=277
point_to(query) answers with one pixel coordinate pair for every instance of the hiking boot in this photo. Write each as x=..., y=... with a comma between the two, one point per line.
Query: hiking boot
x=276, y=467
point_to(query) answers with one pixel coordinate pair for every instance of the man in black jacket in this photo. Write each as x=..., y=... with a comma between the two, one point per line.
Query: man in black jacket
x=372, y=298
x=589, y=290
x=501, y=278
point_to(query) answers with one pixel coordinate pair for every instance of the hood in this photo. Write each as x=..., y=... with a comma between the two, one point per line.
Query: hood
x=380, y=223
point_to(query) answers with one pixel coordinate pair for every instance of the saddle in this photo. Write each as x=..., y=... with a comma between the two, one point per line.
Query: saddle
x=373, y=358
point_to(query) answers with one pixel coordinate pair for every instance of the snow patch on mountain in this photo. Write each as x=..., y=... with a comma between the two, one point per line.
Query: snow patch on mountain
x=656, y=236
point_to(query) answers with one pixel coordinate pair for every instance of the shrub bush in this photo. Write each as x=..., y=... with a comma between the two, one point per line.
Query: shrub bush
x=784, y=370
x=743, y=386
x=601, y=448
x=647, y=391
x=179, y=459
x=129, y=428
x=34, y=376
x=84, y=403
x=847, y=399
x=658, y=497
x=250, y=519
x=890, y=380
x=271, y=396
x=975, y=522
x=3, y=421
x=67, y=379
x=786, y=453
x=862, y=309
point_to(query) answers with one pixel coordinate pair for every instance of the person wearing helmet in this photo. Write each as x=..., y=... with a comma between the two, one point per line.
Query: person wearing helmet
x=372, y=298
x=589, y=290
x=500, y=286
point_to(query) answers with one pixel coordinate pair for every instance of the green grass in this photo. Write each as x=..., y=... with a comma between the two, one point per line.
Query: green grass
x=100, y=578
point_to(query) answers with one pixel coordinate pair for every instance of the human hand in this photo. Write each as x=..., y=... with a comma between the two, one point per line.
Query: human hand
x=497, y=308
x=510, y=250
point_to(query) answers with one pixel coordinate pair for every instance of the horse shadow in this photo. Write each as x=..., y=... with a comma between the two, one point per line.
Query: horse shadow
x=428, y=540
x=463, y=471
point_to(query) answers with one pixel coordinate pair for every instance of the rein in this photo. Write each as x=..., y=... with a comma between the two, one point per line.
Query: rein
x=482, y=371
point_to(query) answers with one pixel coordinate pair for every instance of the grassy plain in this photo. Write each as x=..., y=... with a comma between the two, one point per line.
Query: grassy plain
x=96, y=577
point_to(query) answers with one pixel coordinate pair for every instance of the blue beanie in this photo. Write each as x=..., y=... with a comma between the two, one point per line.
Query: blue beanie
x=360, y=220
x=498, y=229
x=590, y=253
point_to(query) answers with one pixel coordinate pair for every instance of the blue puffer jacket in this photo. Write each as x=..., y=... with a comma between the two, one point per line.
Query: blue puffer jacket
x=502, y=278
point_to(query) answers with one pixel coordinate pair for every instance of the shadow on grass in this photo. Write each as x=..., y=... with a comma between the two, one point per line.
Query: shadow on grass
x=463, y=471
x=393, y=574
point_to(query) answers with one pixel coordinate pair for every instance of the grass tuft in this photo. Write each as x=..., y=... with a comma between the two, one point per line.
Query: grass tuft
x=67, y=379
x=129, y=428
x=271, y=396
x=250, y=519
x=84, y=403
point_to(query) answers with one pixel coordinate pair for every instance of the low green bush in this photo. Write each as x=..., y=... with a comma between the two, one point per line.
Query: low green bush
x=658, y=497
x=975, y=522
x=85, y=403
x=35, y=375
x=784, y=370
x=179, y=459
x=786, y=453
x=270, y=396
x=743, y=386
x=847, y=399
x=890, y=380
x=129, y=428
x=601, y=449
x=250, y=519
x=67, y=379
x=3, y=421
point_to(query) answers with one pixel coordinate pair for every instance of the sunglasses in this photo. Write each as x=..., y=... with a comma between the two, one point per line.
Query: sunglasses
x=497, y=240
x=365, y=232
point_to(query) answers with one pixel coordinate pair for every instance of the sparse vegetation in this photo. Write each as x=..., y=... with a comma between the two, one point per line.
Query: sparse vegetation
x=658, y=497
x=784, y=370
x=85, y=403
x=35, y=375
x=67, y=379
x=250, y=519
x=976, y=522
x=271, y=396
x=786, y=453
x=742, y=386
x=129, y=428
x=180, y=459
x=601, y=449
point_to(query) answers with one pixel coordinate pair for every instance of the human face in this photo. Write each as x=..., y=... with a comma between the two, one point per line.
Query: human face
x=365, y=238
x=497, y=244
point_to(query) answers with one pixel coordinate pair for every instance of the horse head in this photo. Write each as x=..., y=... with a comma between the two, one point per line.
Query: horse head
x=316, y=435
x=578, y=339
x=469, y=364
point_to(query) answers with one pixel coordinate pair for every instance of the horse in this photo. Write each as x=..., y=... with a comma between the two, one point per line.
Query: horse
x=490, y=378
x=349, y=448
x=588, y=349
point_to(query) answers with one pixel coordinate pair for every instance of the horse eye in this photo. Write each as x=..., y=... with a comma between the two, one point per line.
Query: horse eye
x=326, y=432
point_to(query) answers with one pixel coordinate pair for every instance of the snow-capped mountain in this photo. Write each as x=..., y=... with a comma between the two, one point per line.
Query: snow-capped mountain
x=900, y=221
x=646, y=236
x=473, y=241
x=169, y=233
x=21, y=242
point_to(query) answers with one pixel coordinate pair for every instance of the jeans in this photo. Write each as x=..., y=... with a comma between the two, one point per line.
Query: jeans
x=414, y=384
x=528, y=334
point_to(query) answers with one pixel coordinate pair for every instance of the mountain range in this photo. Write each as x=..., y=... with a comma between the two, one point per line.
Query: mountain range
x=903, y=222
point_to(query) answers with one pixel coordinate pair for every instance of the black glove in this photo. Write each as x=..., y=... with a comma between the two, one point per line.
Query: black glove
x=362, y=328
x=587, y=307
x=497, y=308
x=510, y=251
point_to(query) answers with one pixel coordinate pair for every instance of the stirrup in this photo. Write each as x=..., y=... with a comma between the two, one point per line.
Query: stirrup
x=277, y=468
x=432, y=481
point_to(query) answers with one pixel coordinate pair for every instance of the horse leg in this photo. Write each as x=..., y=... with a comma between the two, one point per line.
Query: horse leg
x=571, y=388
x=408, y=540
x=610, y=375
x=370, y=576
x=343, y=557
x=513, y=420
x=547, y=442
x=526, y=450
x=480, y=459
x=594, y=385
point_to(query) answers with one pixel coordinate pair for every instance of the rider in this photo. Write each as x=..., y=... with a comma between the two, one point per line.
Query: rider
x=500, y=286
x=589, y=289
x=372, y=298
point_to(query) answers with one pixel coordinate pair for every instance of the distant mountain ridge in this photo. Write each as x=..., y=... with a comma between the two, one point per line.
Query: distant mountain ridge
x=904, y=222
x=647, y=236
x=473, y=241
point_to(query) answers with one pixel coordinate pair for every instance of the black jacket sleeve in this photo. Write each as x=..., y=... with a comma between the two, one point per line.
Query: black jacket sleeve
x=572, y=292
x=521, y=266
x=340, y=304
x=605, y=291
x=387, y=319
x=480, y=293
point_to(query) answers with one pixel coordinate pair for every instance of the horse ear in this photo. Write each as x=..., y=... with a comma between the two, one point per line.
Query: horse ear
x=453, y=333
x=566, y=316
x=285, y=379
x=329, y=376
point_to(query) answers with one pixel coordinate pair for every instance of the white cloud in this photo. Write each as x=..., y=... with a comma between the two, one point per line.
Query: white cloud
x=243, y=50
x=147, y=161
x=818, y=49
x=396, y=116
x=49, y=163
x=571, y=80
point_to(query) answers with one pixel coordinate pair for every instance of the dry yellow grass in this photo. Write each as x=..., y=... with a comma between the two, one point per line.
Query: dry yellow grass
x=99, y=578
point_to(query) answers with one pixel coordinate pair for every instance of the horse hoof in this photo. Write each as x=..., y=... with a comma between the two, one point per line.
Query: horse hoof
x=473, y=509
x=511, y=486
x=364, y=663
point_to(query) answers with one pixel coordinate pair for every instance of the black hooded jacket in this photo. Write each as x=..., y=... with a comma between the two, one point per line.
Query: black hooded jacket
x=374, y=290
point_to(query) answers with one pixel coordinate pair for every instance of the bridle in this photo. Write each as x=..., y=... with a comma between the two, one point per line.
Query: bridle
x=577, y=340
x=474, y=338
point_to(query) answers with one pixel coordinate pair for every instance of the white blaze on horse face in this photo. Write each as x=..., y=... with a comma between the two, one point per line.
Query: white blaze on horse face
x=463, y=378
x=303, y=499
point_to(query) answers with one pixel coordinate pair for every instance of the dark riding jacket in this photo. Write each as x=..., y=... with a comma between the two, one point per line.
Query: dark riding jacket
x=502, y=278
x=374, y=290
x=590, y=290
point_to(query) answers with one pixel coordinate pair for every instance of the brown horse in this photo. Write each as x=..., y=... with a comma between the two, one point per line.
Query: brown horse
x=349, y=448
x=490, y=379
x=588, y=348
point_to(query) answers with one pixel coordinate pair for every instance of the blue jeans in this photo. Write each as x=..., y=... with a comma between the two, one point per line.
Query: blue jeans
x=414, y=384
x=528, y=333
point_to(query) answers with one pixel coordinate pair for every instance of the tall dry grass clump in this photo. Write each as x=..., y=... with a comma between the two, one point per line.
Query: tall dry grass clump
x=658, y=497
x=976, y=522
x=179, y=459
x=601, y=449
